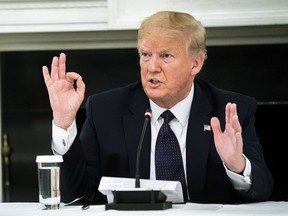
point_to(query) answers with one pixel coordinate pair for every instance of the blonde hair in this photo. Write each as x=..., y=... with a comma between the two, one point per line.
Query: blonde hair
x=177, y=23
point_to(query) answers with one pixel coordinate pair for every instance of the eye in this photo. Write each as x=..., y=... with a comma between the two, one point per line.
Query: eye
x=167, y=57
x=145, y=56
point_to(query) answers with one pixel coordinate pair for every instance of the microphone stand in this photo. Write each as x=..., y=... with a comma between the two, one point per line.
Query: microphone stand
x=137, y=175
x=139, y=199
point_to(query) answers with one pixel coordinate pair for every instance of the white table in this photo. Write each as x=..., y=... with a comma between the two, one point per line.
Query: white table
x=191, y=209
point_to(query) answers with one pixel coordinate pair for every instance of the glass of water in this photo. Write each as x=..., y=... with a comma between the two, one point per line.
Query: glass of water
x=49, y=180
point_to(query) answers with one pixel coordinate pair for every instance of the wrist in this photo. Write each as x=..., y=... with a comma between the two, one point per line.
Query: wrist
x=63, y=122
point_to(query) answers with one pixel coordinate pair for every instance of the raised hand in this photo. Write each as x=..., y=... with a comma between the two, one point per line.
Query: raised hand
x=229, y=143
x=66, y=91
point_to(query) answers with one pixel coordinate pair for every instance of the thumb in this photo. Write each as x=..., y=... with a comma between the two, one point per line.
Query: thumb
x=215, y=124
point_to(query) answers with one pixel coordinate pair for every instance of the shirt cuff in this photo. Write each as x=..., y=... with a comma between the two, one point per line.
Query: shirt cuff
x=63, y=139
x=241, y=182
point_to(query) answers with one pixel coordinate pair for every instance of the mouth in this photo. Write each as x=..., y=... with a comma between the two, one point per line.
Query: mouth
x=154, y=81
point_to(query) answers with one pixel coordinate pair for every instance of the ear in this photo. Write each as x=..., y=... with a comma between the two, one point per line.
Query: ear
x=197, y=64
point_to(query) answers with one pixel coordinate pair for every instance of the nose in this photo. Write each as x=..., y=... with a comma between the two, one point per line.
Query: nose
x=154, y=64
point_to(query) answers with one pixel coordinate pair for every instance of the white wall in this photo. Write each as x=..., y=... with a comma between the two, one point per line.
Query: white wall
x=212, y=13
x=91, y=15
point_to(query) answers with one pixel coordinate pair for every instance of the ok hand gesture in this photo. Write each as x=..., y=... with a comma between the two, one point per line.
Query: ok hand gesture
x=66, y=91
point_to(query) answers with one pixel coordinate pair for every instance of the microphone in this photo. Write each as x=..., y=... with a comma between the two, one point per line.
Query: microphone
x=147, y=115
x=139, y=198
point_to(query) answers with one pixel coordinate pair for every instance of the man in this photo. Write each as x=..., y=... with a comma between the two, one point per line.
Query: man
x=222, y=157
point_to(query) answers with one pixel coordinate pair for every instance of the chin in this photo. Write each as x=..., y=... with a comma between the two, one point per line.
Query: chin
x=157, y=99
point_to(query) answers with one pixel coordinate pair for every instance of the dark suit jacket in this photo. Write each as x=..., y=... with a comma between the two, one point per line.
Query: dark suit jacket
x=108, y=142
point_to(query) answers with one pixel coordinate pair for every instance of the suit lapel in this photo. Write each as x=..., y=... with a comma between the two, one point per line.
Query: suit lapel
x=133, y=124
x=198, y=142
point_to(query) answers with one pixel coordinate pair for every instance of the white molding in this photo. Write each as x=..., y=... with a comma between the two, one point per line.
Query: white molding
x=127, y=14
x=67, y=40
x=117, y=39
x=93, y=15
x=52, y=16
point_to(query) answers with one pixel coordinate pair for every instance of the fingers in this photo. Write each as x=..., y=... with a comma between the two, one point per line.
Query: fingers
x=62, y=66
x=58, y=68
x=228, y=113
x=236, y=124
x=54, y=68
x=232, y=120
x=233, y=111
x=238, y=137
x=46, y=75
x=215, y=124
x=80, y=84
x=72, y=76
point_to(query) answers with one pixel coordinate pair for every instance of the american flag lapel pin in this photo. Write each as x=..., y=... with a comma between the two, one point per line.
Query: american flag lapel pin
x=207, y=127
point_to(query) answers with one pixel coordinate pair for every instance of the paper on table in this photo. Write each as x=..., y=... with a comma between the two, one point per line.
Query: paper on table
x=172, y=189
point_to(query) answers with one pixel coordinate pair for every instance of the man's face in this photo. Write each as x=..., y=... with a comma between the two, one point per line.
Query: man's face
x=167, y=70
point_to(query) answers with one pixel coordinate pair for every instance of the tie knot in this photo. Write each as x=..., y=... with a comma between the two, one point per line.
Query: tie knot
x=168, y=116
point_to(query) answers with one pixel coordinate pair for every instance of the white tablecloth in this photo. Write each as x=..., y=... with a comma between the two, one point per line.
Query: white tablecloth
x=191, y=209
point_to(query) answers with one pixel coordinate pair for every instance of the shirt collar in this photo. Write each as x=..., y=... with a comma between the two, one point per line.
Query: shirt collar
x=181, y=110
